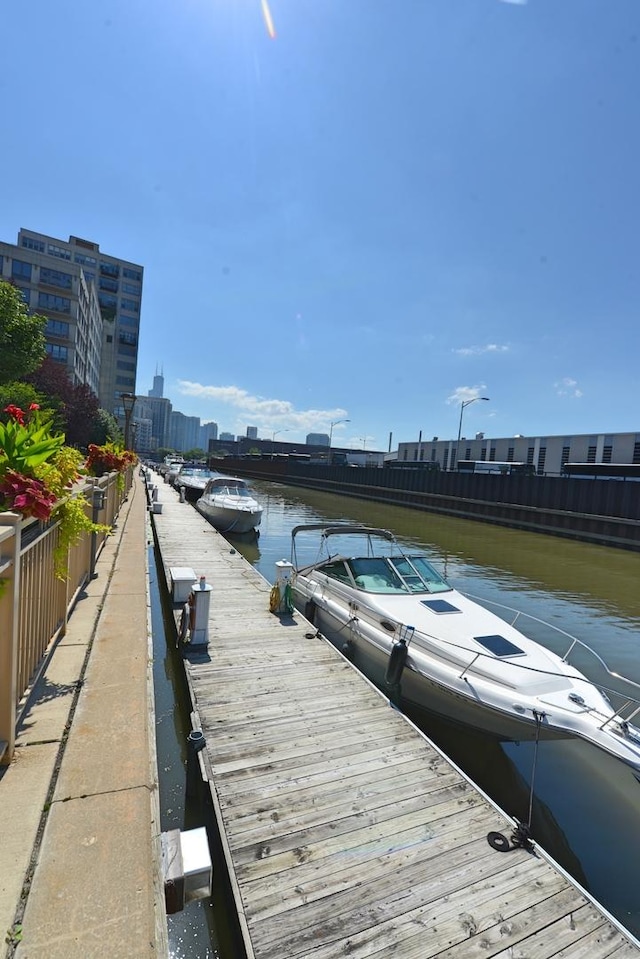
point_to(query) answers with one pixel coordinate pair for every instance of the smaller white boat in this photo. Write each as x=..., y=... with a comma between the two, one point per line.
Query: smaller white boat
x=193, y=479
x=229, y=505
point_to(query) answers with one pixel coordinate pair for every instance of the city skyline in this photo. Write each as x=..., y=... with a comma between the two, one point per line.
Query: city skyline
x=375, y=215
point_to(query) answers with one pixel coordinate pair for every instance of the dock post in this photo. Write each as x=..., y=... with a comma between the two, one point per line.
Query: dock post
x=195, y=744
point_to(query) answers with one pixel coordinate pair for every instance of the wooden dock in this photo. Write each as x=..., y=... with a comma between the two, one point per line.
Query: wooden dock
x=346, y=832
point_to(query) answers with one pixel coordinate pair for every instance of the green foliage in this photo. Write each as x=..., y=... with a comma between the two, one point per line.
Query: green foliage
x=195, y=454
x=20, y=394
x=27, y=443
x=105, y=429
x=74, y=521
x=22, y=342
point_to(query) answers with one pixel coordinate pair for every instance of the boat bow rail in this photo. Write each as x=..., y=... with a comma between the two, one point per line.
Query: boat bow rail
x=629, y=698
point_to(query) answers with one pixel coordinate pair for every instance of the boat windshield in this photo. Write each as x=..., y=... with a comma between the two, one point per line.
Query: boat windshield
x=394, y=574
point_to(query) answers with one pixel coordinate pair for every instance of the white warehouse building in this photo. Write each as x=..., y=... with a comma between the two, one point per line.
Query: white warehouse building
x=546, y=454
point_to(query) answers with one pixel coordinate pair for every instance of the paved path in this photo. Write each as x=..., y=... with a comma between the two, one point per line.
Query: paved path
x=79, y=803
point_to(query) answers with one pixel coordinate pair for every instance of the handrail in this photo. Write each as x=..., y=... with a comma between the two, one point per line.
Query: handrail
x=574, y=640
x=34, y=604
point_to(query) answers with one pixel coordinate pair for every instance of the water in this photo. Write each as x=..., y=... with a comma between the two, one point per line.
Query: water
x=586, y=810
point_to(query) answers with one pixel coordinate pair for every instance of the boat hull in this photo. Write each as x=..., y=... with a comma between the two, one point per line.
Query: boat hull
x=417, y=690
x=229, y=520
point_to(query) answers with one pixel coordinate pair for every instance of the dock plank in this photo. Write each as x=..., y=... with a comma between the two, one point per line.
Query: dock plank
x=345, y=831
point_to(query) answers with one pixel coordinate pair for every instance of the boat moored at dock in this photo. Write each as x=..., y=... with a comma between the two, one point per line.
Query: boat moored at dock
x=438, y=649
x=229, y=505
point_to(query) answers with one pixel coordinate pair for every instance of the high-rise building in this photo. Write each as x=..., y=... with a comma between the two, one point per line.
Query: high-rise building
x=62, y=293
x=208, y=431
x=157, y=389
x=184, y=431
x=252, y=432
x=317, y=439
x=158, y=410
x=118, y=286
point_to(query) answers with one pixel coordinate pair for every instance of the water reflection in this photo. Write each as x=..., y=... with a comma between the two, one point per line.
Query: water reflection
x=586, y=811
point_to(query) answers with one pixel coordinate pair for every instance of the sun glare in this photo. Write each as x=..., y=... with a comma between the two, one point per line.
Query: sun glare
x=268, y=19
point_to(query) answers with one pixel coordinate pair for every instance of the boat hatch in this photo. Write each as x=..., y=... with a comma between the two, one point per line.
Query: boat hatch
x=499, y=646
x=439, y=606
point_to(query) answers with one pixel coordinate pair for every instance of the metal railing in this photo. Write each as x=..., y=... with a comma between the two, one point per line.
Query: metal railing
x=34, y=604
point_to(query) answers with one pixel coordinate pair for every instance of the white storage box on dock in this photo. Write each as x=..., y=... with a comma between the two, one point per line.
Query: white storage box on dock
x=156, y=507
x=196, y=863
x=182, y=579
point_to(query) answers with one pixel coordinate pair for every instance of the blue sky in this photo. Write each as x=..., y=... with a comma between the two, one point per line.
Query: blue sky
x=391, y=206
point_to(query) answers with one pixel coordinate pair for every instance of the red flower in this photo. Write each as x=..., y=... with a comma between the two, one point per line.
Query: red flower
x=15, y=413
x=34, y=406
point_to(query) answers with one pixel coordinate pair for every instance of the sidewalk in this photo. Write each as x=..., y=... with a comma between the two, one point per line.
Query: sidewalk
x=79, y=850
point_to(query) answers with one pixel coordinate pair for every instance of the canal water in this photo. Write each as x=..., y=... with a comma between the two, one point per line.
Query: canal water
x=586, y=806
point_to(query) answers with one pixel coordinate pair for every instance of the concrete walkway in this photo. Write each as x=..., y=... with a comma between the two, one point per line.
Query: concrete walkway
x=79, y=849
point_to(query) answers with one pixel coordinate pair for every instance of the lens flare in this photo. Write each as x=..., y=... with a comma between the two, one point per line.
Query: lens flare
x=268, y=19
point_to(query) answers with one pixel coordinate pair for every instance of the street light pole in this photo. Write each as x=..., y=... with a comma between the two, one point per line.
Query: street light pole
x=273, y=436
x=335, y=423
x=463, y=406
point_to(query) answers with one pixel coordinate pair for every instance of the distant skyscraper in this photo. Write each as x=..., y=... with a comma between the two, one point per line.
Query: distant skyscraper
x=252, y=432
x=118, y=286
x=208, y=431
x=317, y=439
x=158, y=386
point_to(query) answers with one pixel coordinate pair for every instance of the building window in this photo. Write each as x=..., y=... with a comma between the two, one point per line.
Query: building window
x=47, y=301
x=131, y=305
x=88, y=260
x=21, y=270
x=566, y=453
x=54, y=250
x=124, y=381
x=110, y=269
x=26, y=294
x=55, y=278
x=591, y=454
x=636, y=453
x=132, y=274
x=109, y=338
x=607, y=453
x=129, y=338
x=433, y=455
x=445, y=459
x=56, y=352
x=129, y=321
x=483, y=453
x=492, y=454
x=57, y=328
x=89, y=277
x=126, y=365
x=106, y=283
x=510, y=453
x=530, y=456
x=541, y=458
x=130, y=288
x=30, y=244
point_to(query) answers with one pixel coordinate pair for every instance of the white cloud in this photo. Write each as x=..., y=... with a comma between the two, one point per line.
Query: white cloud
x=516, y=3
x=462, y=394
x=568, y=387
x=479, y=350
x=266, y=414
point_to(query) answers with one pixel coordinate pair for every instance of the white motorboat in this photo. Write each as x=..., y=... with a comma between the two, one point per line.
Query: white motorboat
x=193, y=479
x=229, y=505
x=429, y=645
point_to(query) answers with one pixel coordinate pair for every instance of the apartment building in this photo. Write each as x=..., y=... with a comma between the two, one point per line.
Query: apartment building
x=62, y=293
x=117, y=286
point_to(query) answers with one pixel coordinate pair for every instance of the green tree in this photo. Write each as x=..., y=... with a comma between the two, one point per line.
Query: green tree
x=195, y=454
x=105, y=429
x=19, y=394
x=21, y=335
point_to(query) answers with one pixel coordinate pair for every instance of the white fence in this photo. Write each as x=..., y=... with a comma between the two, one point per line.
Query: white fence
x=34, y=604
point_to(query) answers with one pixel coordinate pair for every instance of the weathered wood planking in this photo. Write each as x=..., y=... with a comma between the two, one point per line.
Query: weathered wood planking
x=346, y=833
